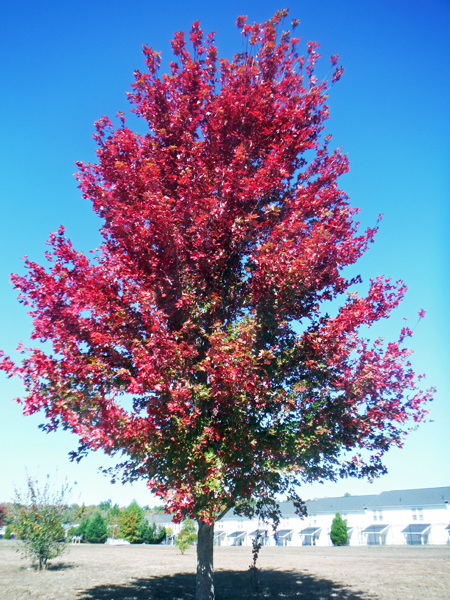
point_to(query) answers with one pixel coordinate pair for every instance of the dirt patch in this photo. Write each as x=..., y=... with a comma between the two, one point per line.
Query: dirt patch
x=97, y=572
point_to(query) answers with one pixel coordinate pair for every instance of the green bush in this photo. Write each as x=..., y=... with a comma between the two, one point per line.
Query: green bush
x=37, y=519
x=8, y=533
x=339, y=533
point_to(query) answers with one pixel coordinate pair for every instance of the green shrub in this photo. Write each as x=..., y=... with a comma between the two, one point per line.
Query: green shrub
x=339, y=533
x=37, y=519
x=8, y=533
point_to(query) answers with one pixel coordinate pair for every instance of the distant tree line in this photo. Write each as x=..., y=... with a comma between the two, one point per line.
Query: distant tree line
x=94, y=524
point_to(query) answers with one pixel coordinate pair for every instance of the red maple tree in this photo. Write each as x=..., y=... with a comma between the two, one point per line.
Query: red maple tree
x=224, y=231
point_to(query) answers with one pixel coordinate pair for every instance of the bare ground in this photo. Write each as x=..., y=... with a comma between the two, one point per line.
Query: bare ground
x=91, y=572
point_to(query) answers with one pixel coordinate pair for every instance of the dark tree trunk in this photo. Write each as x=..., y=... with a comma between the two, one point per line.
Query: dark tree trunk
x=205, y=569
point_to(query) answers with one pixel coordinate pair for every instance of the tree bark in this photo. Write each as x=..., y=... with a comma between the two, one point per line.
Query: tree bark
x=205, y=569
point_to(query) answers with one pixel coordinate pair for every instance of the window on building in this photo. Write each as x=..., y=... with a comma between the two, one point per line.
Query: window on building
x=240, y=524
x=285, y=522
x=219, y=524
x=417, y=514
x=377, y=515
x=344, y=517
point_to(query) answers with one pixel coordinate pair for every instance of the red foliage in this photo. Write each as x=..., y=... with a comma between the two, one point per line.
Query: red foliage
x=224, y=230
x=2, y=514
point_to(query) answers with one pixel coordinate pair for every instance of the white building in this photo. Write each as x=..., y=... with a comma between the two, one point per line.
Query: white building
x=399, y=517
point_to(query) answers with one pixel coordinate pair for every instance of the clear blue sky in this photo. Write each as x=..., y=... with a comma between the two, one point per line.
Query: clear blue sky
x=66, y=64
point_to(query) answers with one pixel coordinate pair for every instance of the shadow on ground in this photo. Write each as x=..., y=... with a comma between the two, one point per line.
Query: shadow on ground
x=61, y=566
x=50, y=567
x=229, y=585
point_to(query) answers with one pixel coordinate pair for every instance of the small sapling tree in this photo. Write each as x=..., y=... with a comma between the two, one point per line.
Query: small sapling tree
x=37, y=520
x=339, y=532
x=257, y=543
x=187, y=536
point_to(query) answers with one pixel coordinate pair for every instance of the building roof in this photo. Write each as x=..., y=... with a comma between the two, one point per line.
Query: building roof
x=343, y=504
x=397, y=498
x=419, y=498
x=159, y=519
x=231, y=515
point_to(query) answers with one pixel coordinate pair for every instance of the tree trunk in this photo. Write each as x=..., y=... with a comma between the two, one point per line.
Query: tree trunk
x=205, y=569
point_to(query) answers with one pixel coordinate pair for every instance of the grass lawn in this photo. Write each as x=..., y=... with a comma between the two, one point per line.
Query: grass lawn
x=98, y=572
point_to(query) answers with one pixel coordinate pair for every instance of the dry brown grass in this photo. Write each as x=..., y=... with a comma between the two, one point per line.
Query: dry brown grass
x=91, y=572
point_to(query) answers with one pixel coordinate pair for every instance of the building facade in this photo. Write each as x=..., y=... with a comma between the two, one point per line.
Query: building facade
x=400, y=517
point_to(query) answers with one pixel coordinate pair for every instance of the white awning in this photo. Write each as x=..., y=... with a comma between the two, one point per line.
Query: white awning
x=377, y=529
x=417, y=528
x=310, y=531
x=219, y=533
x=237, y=534
x=284, y=532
